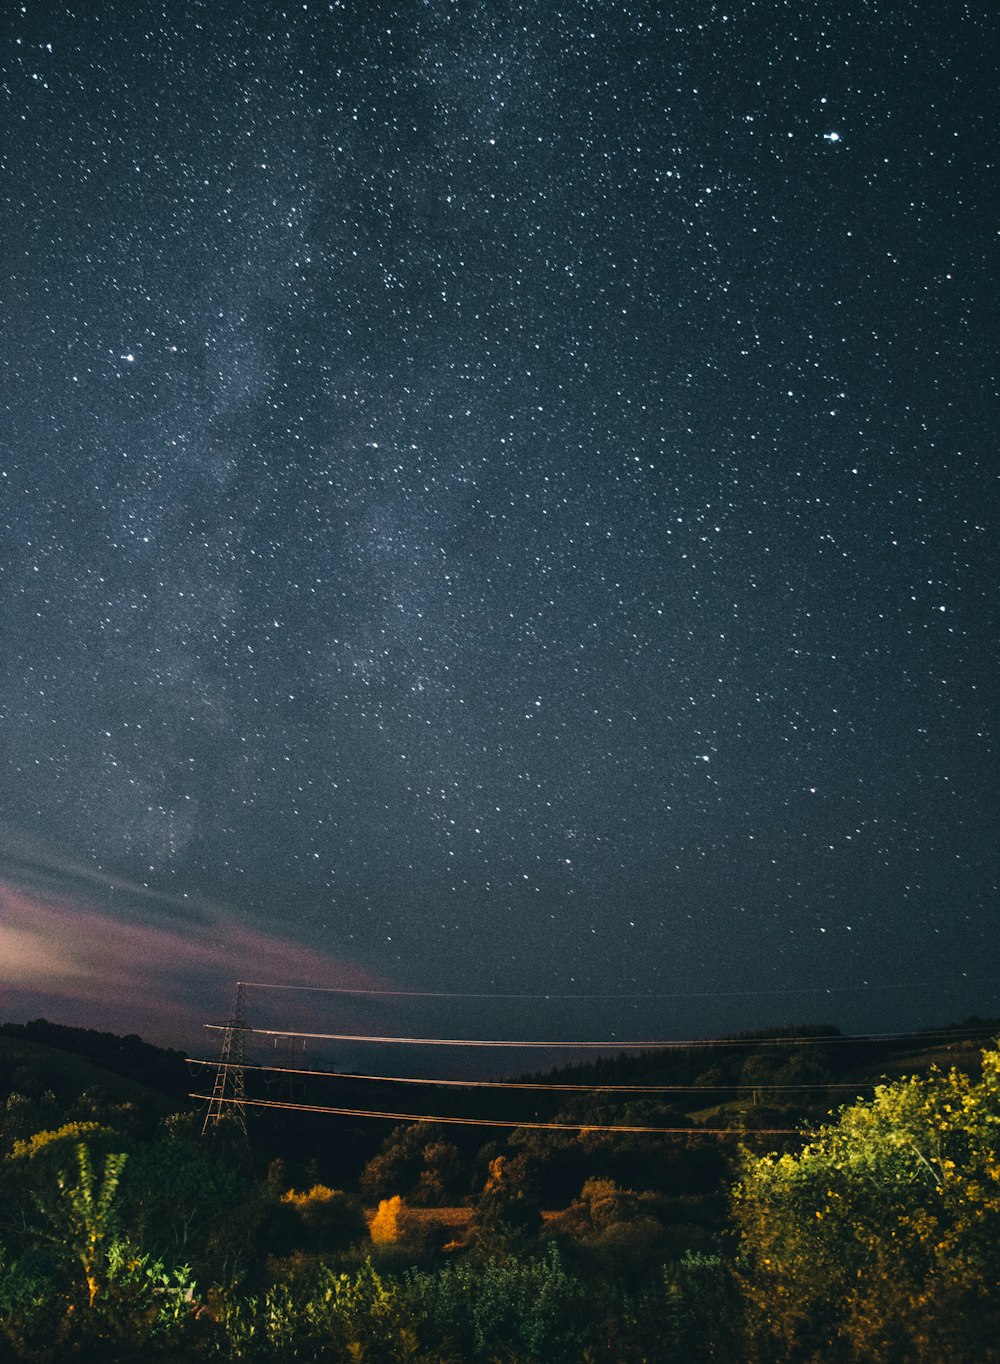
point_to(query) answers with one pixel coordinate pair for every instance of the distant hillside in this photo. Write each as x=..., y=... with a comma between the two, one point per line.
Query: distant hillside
x=128, y=1057
x=803, y=1068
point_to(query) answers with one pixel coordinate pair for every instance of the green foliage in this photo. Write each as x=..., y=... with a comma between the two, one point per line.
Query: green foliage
x=416, y=1161
x=791, y=1065
x=177, y=1193
x=691, y=1313
x=877, y=1242
x=325, y=1316
x=880, y=1240
x=125, y=1299
x=322, y=1220
x=171, y=1290
x=507, y=1215
x=142, y=1307
x=27, y=1295
x=22, y=1115
x=23, y=1286
x=33, y=1164
x=563, y=1160
x=45, y=1141
x=83, y=1218
x=703, y=1310
x=528, y=1306
x=618, y=1230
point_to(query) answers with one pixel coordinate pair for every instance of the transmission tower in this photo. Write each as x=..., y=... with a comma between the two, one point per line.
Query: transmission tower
x=227, y=1101
x=285, y=1085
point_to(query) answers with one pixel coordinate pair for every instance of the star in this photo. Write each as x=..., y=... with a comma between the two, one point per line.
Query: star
x=450, y=513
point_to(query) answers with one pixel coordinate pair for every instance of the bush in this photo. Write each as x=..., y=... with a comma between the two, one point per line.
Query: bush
x=614, y=1230
x=328, y=1316
x=531, y=1306
x=322, y=1221
x=28, y=1298
x=880, y=1240
x=386, y=1227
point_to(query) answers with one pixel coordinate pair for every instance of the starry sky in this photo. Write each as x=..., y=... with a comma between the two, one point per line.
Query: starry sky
x=500, y=497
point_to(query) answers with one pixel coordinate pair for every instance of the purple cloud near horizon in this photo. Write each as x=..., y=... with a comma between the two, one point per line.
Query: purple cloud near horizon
x=74, y=963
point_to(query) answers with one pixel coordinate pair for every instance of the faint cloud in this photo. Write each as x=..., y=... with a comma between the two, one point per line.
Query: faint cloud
x=83, y=947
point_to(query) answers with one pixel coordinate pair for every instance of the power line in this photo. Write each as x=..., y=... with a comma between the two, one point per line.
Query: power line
x=534, y=1126
x=232, y=1060
x=615, y=1044
x=540, y=1086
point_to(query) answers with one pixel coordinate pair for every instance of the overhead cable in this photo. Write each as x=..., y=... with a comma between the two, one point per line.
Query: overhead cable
x=613, y=1044
x=536, y=1086
x=507, y=1122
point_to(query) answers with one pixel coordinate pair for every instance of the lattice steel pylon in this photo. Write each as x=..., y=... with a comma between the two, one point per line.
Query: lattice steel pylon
x=227, y=1101
x=285, y=1049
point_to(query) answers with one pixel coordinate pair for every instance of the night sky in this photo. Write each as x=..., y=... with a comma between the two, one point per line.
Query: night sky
x=500, y=498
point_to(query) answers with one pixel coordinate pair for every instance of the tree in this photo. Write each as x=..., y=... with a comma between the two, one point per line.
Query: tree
x=416, y=1162
x=507, y=1215
x=397, y=1165
x=443, y=1179
x=880, y=1240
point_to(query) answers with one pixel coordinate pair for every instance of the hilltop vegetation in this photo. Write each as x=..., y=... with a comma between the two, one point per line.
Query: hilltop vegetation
x=53, y=1056
x=127, y=1235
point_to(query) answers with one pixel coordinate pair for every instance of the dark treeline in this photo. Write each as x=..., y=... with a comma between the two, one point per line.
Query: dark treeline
x=129, y=1056
x=780, y=1077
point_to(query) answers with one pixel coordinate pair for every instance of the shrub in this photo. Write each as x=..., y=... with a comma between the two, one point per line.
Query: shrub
x=329, y=1316
x=530, y=1306
x=321, y=1220
x=386, y=1227
x=880, y=1240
